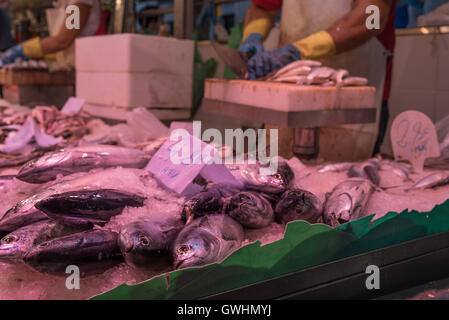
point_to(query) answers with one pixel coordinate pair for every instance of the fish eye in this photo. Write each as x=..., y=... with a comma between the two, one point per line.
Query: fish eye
x=144, y=240
x=9, y=239
x=184, y=249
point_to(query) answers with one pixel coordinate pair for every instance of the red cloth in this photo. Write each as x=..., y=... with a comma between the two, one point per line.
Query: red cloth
x=268, y=4
x=387, y=38
x=103, y=24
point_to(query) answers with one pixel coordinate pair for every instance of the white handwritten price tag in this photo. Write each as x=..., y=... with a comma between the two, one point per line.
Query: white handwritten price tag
x=179, y=161
x=414, y=138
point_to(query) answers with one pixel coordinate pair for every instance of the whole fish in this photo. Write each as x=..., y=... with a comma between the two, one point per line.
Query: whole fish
x=431, y=181
x=209, y=239
x=16, y=244
x=347, y=201
x=92, y=251
x=212, y=200
x=367, y=170
x=252, y=179
x=88, y=207
x=297, y=204
x=335, y=167
x=398, y=170
x=80, y=159
x=146, y=243
x=25, y=212
x=251, y=210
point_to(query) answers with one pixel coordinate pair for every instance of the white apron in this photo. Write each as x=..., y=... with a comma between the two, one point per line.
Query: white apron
x=301, y=18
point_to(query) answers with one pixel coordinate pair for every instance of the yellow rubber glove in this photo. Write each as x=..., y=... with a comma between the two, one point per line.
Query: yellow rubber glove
x=317, y=46
x=32, y=48
x=261, y=26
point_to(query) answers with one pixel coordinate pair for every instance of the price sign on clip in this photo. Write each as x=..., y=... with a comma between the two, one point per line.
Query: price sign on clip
x=414, y=138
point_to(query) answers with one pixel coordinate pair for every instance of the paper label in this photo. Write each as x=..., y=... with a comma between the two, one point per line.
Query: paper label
x=414, y=138
x=179, y=161
x=73, y=105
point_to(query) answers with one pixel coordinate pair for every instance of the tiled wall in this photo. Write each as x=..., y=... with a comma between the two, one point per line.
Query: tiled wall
x=420, y=78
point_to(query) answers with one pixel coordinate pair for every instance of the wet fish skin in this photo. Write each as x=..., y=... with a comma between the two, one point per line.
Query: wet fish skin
x=212, y=200
x=16, y=244
x=88, y=207
x=335, y=167
x=80, y=159
x=371, y=171
x=206, y=240
x=92, y=251
x=433, y=180
x=347, y=201
x=274, y=183
x=22, y=214
x=25, y=212
x=251, y=210
x=297, y=204
x=146, y=243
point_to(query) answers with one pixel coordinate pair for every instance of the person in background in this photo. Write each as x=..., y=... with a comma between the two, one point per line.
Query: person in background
x=431, y=5
x=337, y=36
x=37, y=48
x=5, y=28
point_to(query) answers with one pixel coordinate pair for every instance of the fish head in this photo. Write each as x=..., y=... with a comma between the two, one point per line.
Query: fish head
x=339, y=210
x=201, y=204
x=297, y=204
x=13, y=245
x=138, y=238
x=23, y=213
x=34, y=171
x=198, y=249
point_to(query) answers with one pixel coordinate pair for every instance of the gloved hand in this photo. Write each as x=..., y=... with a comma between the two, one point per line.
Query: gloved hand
x=12, y=54
x=252, y=44
x=263, y=63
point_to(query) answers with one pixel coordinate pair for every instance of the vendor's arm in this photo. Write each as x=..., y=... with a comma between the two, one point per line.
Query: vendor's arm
x=37, y=48
x=66, y=37
x=347, y=33
x=259, y=20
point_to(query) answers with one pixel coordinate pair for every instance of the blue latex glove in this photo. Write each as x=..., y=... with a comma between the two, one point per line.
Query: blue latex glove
x=12, y=54
x=265, y=62
x=253, y=44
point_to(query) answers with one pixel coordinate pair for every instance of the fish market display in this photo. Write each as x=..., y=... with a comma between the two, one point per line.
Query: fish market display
x=206, y=240
x=433, y=180
x=251, y=210
x=306, y=72
x=252, y=179
x=91, y=251
x=297, y=204
x=214, y=199
x=25, y=212
x=347, y=201
x=15, y=245
x=80, y=159
x=87, y=207
x=146, y=243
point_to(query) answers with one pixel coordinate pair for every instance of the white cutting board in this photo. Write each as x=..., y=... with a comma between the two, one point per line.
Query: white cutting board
x=289, y=97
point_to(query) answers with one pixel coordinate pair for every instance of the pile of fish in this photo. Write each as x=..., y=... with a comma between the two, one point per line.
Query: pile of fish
x=309, y=72
x=80, y=189
x=56, y=129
